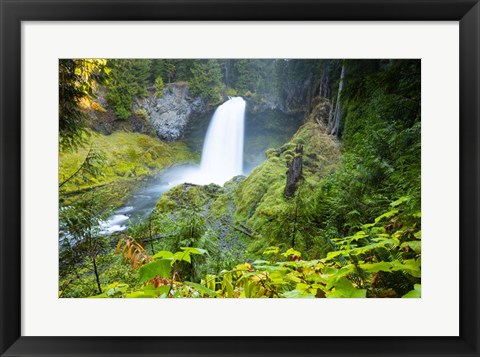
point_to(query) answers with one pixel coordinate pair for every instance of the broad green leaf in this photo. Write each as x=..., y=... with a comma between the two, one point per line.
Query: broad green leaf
x=292, y=276
x=411, y=266
x=415, y=293
x=278, y=277
x=139, y=295
x=150, y=289
x=302, y=287
x=376, y=267
x=345, y=289
x=418, y=235
x=244, y=267
x=292, y=251
x=416, y=246
x=185, y=256
x=332, y=255
x=339, y=275
x=297, y=294
x=160, y=267
x=359, y=235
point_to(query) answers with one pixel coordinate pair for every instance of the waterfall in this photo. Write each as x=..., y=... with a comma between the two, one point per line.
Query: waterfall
x=222, y=155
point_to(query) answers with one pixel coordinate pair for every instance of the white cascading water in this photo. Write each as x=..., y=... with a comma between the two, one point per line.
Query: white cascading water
x=222, y=159
x=222, y=155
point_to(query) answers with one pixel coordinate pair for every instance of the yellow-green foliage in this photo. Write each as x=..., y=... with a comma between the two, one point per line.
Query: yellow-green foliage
x=382, y=259
x=127, y=156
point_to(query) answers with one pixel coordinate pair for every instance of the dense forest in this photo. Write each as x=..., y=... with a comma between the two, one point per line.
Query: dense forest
x=324, y=202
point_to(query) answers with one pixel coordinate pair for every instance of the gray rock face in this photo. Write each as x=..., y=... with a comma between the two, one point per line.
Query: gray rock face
x=170, y=114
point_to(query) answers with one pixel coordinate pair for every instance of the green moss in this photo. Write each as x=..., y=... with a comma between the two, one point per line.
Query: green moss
x=219, y=206
x=127, y=157
x=187, y=196
x=251, y=191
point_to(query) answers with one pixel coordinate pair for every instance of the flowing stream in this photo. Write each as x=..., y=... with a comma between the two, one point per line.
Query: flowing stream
x=222, y=159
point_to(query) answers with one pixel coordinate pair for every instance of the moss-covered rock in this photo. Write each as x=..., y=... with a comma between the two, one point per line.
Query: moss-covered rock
x=187, y=196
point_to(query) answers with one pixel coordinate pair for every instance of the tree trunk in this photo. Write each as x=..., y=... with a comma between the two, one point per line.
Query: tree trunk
x=310, y=88
x=96, y=274
x=325, y=85
x=335, y=130
x=294, y=172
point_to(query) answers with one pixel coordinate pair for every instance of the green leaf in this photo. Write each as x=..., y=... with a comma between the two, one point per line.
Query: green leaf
x=386, y=215
x=292, y=251
x=152, y=290
x=345, y=289
x=139, y=295
x=247, y=292
x=416, y=293
x=161, y=267
x=302, y=287
x=400, y=201
x=228, y=286
x=244, y=267
x=376, y=267
x=411, y=266
x=201, y=288
x=295, y=294
x=416, y=246
x=185, y=256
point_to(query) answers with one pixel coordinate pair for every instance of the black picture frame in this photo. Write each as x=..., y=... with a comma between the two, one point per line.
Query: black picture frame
x=467, y=12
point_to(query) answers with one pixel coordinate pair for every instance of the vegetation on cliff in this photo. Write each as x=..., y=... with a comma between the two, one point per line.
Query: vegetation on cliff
x=121, y=157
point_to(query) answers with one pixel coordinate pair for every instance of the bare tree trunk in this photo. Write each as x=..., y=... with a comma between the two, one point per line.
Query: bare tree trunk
x=96, y=274
x=331, y=115
x=338, y=109
x=325, y=90
x=294, y=172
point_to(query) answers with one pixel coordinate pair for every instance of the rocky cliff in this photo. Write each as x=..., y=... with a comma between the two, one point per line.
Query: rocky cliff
x=170, y=114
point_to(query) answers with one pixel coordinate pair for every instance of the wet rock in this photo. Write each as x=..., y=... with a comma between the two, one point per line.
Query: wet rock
x=170, y=114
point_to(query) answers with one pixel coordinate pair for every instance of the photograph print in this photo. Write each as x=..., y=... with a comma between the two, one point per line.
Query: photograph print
x=239, y=178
